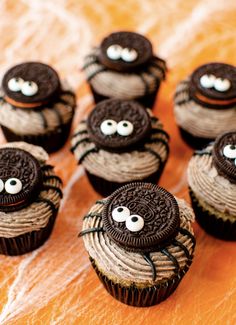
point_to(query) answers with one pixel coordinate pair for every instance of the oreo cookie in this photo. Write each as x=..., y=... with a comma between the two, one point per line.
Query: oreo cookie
x=125, y=51
x=117, y=125
x=224, y=155
x=30, y=84
x=214, y=85
x=20, y=179
x=141, y=217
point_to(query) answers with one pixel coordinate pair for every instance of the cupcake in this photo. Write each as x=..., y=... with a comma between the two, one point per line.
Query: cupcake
x=212, y=184
x=124, y=67
x=205, y=103
x=140, y=243
x=120, y=142
x=30, y=194
x=35, y=106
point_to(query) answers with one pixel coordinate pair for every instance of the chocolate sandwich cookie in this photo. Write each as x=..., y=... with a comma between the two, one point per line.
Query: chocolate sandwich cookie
x=205, y=103
x=120, y=142
x=36, y=106
x=30, y=194
x=124, y=67
x=212, y=183
x=146, y=234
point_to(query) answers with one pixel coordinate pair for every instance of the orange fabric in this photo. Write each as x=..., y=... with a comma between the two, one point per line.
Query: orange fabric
x=56, y=284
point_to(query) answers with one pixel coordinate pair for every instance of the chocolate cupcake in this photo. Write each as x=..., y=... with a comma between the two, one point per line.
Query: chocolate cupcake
x=124, y=67
x=120, y=142
x=140, y=243
x=205, y=103
x=30, y=194
x=212, y=184
x=35, y=106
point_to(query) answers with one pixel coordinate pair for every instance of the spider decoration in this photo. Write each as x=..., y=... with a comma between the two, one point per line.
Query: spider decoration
x=142, y=218
x=120, y=126
x=36, y=86
x=126, y=52
x=23, y=180
x=212, y=85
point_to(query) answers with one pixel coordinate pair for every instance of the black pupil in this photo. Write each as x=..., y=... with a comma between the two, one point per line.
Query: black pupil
x=125, y=124
x=13, y=182
x=109, y=123
x=30, y=83
x=134, y=219
x=233, y=147
x=120, y=209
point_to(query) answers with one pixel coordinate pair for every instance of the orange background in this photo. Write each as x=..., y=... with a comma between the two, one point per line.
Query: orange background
x=56, y=284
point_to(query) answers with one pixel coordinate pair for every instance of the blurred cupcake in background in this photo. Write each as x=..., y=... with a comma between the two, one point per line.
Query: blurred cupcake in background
x=123, y=66
x=205, y=103
x=36, y=106
x=118, y=143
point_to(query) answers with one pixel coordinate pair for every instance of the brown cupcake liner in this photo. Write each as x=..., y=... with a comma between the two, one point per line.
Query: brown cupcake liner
x=217, y=227
x=50, y=141
x=147, y=101
x=144, y=297
x=105, y=188
x=194, y=142
x=27, y=242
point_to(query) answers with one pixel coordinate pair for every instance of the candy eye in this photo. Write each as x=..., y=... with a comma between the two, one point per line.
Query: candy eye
x=29, y=88
x=120, y=214
x=1, y=186
x=125, y=128
x=207, y=81
x=134, y=223
x=114, y=52
x=108, y=127
x=222, y=85
x=129, y=55
x=15, y=84
x=13, y=186
x=229, y=151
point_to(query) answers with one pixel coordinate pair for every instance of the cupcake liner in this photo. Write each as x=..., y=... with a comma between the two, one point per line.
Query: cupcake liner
x=50, y=141
x=144, y=297
x=105, y=188
x=194, y=142
x=147, y=101
x=217, y=227
x=27, y=242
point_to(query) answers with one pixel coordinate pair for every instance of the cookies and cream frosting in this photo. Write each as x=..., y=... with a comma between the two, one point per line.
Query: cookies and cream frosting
x=36, y=215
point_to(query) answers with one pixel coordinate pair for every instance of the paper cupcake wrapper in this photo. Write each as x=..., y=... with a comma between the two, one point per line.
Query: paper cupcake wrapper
x=194, y=142
x=147, y=101
x=144, y=297
x=27, y=242
x=105, y=188
x=50, y=141
x=217, y=227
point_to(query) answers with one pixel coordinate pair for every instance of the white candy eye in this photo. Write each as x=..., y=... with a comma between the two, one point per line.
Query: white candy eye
x=229, y=151
x=1, y=185
x=222, y=85
x=29, y=88
x=108, y=127
x=13, y=186
x=15, y=84
x=125, y=128
x=120, y=214
x=114, y=52
x=129, y=55
x=207, y=81
x=134, y=223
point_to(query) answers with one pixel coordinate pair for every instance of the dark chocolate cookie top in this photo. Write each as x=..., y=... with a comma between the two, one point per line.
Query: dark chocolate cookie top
x=31, y=83
x=141, y=217
x=214, y=84
x=125, y=51
x=224, y=155
x=117, y=125
x=20, y=179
